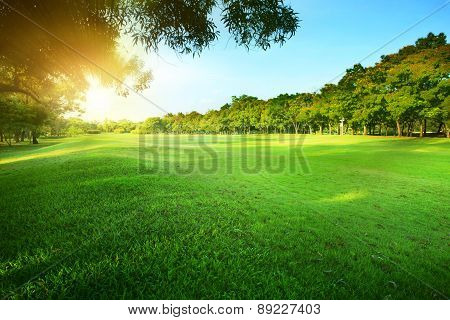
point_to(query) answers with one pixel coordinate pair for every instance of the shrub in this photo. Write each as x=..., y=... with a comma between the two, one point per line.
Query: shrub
x=74, y=131
x=93, y=131
x=138, y=131
x=119, y=130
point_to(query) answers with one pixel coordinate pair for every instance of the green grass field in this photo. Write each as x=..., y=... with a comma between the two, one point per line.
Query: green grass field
x=370, y=220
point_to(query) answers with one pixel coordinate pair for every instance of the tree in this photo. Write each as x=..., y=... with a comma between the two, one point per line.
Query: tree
x=417, y=84
x=16, y=116
x=293, y=115
x=432, y=41
x=298, y=110
x=329, y=101
x=151, y=126
x=46, y=42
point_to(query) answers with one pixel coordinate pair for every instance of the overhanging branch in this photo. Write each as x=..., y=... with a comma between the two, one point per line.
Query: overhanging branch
x=14, y=89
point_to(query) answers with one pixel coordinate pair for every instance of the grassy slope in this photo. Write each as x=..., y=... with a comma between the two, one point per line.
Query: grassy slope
x=370, y=221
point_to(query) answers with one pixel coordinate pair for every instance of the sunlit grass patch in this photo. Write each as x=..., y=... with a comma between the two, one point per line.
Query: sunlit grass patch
x=347, y=196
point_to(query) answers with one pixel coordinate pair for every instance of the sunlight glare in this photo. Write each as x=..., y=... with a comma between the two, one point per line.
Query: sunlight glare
x=98, y=99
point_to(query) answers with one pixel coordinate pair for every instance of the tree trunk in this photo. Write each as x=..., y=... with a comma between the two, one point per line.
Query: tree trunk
x=22, y=136
x=424, y=127
x=329, y=129
x=8, y=139
x=421, y=130
x=33, y=134
x=447, y=130
x=365, y=130
x=321, y=129
x=399, y=129
x=439, y=129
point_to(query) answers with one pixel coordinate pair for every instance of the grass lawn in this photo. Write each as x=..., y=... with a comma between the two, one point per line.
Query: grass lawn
x=370, y=220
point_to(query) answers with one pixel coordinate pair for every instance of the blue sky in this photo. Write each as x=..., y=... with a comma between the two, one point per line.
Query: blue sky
x=333, y=36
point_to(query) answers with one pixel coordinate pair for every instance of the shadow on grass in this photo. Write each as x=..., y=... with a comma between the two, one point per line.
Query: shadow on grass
x=26, y=146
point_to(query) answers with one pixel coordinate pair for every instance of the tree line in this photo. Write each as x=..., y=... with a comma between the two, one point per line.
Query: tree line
x=404, y=94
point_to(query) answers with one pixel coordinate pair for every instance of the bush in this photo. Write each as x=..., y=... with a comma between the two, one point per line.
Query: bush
x=138, y=131
x=119, y=130
x=93, y=132
x=74, y=131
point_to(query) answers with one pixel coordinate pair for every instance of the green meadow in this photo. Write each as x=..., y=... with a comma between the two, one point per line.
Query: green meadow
x=358, y=217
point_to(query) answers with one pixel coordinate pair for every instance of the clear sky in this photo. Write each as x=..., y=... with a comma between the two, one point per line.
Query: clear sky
x=333, y=36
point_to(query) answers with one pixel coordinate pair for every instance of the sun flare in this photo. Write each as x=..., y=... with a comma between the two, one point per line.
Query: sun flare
x=98, y=98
